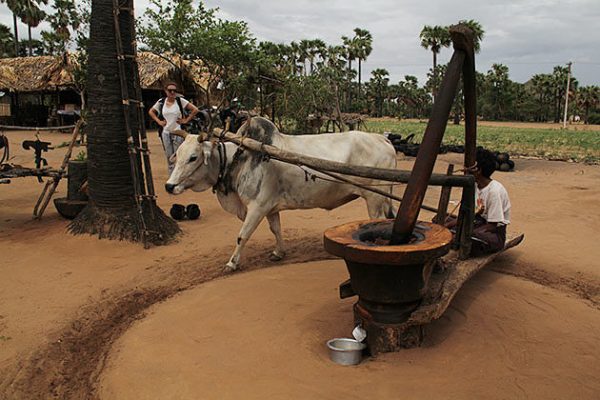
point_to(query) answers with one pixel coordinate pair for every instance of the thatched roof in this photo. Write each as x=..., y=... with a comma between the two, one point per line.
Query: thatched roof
x=48, y=73
x=33, y=74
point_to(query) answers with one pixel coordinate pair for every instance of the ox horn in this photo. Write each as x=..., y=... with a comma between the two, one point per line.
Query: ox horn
x=180, y=132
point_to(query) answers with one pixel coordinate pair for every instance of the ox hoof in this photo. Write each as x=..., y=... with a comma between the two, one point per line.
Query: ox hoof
x=230, y=267
x=276, y=257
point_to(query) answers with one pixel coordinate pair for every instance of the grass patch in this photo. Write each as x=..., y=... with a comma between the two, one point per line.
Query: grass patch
x=551, y=144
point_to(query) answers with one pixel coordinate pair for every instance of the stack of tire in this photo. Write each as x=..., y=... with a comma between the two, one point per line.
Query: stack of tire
x=503, y=162
x=404, y=145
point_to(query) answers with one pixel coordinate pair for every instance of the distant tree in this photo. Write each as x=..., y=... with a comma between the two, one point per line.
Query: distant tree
x=16, y=8
x=31, y=47
x=434, y=38
x=412, y=99
x=364, y=46
x=31, y=16
x=224, y=48
x=351, y=49
x=558, y=80
x=377, y=87
x=7, y=42
x=65, y=21
x=588, y=98
x=316, y=48
x=499, y=92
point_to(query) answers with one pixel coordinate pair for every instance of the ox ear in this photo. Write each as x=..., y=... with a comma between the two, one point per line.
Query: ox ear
x=173, y=158
x=202, y=137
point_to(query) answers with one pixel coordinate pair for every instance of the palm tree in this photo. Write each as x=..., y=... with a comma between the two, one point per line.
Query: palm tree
x=364, y=46
x=588, y=98
x=316, y=47
x=16, y=7
x=31, y=16
x=351, y=49
x=434, y=38
x=379, y=84
x=112, y=211
x=478, y=32
x=6, y=42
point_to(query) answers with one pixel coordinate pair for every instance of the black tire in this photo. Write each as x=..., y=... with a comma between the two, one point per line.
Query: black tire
x=503, y=157
x=177, y=212
x=504, y=167
x=511, y=164
x=193, y=211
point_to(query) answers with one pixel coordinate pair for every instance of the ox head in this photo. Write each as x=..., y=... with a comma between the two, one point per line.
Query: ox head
x=193, y=167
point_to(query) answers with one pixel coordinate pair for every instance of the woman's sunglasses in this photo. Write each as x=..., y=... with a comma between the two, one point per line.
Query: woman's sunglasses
x=171, y=90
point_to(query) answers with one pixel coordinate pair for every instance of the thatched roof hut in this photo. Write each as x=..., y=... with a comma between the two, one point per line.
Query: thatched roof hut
x=50, y=73
x=33, y=74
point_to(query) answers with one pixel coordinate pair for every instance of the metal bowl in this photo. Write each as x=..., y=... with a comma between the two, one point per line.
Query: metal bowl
x=345, y=351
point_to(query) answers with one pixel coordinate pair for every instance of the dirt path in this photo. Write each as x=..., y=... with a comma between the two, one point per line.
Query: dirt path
x=65, y=299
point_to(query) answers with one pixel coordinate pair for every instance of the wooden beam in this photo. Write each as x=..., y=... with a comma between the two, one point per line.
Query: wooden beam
x=388, y=175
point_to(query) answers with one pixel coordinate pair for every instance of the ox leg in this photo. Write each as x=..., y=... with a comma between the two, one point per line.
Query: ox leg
x=253, y=218
x=377, y=205
x=275, y=226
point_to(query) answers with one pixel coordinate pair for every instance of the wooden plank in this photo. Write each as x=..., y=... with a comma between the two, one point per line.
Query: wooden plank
x=444, y=286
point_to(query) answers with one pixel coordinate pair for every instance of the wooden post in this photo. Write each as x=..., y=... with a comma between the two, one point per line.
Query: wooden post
x=428, y=150
x=440, y=217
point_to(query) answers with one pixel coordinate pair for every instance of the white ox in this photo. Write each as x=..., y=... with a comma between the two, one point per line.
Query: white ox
x=253, y=188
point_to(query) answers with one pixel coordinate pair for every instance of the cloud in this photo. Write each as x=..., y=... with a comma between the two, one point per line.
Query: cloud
x=529, y=36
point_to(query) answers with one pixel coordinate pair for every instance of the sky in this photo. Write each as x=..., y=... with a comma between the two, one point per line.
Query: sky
x=528, y=36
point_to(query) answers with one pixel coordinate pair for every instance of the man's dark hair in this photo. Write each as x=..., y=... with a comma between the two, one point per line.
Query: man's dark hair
x=486, y=162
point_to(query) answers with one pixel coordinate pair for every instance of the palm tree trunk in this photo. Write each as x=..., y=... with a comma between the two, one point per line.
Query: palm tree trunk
x=30, y=42
x=434, y=88
x=16, y=35
x=349, y=93
x=359, y=80
x=112, y=210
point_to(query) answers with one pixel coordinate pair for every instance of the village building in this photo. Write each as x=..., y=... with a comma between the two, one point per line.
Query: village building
x=42, y=91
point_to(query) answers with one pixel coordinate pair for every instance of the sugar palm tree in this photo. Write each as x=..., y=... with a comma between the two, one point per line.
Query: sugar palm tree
x=364, y=46
x=31, y=16
x=478, y=32
x=16, y=7
x=6, y=41
x=434, y=38
x=112, y=211
x=588, y=97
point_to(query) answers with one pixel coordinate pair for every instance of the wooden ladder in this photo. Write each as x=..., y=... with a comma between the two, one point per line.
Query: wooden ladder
x=137, y=141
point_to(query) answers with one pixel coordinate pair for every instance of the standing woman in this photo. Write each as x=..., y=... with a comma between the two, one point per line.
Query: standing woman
x=169, y=114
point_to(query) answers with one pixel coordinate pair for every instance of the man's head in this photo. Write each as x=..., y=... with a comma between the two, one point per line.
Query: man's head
x=486, y=162
x=171, y=90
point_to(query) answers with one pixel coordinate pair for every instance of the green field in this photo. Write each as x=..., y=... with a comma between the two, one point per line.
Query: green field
x=552, y=144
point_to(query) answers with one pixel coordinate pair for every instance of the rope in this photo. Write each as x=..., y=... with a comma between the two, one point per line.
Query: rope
x=468, y=169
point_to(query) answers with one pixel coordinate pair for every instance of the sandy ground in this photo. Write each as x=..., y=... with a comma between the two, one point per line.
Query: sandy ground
x=64, y=300
x=503, y=338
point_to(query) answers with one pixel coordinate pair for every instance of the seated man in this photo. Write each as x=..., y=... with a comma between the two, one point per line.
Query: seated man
x=492, y=213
